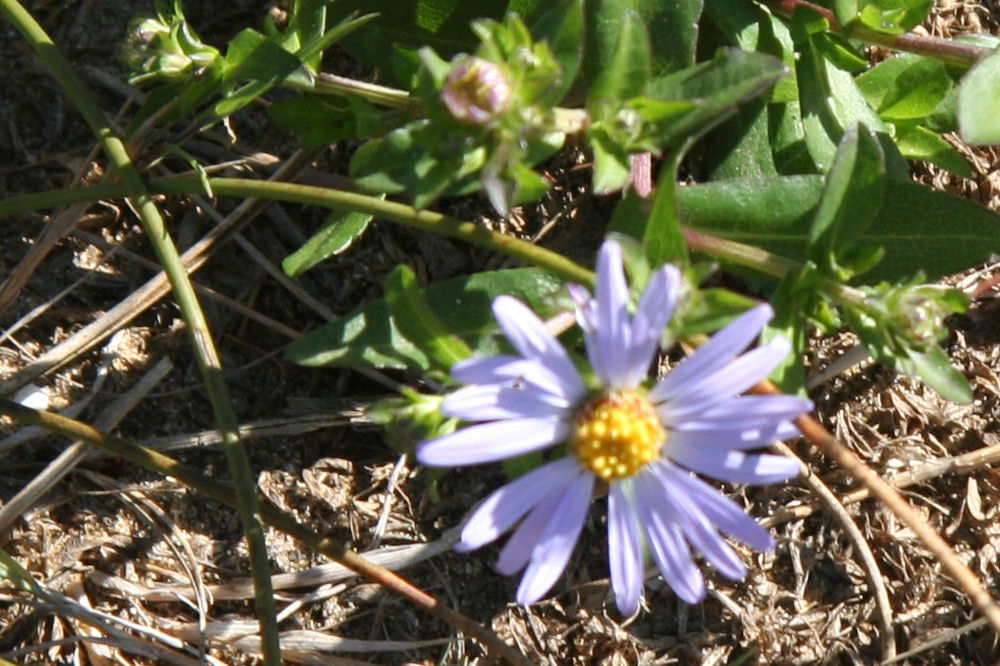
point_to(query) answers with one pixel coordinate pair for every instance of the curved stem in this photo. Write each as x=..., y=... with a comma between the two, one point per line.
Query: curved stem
x=223, y=492
x=326, y=198
x=204, y=348
x=768, y=263
x=960, y=573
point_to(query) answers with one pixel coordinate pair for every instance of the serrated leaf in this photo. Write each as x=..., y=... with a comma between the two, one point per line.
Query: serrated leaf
x=774, y=213
x=340, y=230
x=370, y=337
x=979, y=102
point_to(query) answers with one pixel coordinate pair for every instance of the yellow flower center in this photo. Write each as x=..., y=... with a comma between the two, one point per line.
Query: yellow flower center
x=617, y=435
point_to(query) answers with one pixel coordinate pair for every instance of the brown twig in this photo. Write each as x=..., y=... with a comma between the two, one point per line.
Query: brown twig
x=876, y=585
x=960, y=464
x=271, y=515
x=961, y=574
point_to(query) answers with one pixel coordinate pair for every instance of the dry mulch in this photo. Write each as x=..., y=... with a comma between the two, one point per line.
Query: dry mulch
x=130, y=545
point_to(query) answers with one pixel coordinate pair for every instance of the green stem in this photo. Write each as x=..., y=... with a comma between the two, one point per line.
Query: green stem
x=204, y=348
x=948, y=51
x=223, y=492
x=326, y=198
x=768, y=263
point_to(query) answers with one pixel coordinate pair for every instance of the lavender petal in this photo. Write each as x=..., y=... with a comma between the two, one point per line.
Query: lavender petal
x=698, y=529
x=509, y=504
x=655, y=309
x=729, y=517
x=492, y=402
x=723, y=347
x=528, y=335
x=734, y=466
x=672, y=555
x=624, y=550
x=490, y=442
x=727, y=382
x=552, y=552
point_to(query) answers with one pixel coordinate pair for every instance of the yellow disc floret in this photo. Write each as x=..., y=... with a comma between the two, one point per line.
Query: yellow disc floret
x=617, y=434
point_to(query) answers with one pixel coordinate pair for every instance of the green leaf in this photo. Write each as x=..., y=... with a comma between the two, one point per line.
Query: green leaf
x=893, y=17
x=323, y=120
x=252, y=56
x=663, y=240
x=308, y=22
x=418, y=324
x=562, y=28
x=718, y=87
x=440, y=24
x=371, y=337
x=979, y=102
x=417, y=159
x=905, y=87
x=775, y=213
x=935, y=368
x=741, y=146
x=852, y=197
x=674, y=26
x=340, y=230
x=611, y=163
x=626, y=73
x=919, y=143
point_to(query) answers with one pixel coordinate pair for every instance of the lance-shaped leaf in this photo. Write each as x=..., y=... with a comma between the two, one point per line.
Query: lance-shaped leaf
x=418, y=324
x=372, y=337
x=776, y=214
x=340, y=230
x=851, y=199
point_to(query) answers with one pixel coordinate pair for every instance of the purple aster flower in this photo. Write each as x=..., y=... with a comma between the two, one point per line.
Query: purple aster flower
x=644, y=444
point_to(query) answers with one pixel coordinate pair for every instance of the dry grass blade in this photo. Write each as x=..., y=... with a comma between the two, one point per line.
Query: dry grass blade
x=960, y=464
x=270, y=515
x=77, y=451
x=876, y=584
x=394, y=558
x=966, y=579
x=140, y=300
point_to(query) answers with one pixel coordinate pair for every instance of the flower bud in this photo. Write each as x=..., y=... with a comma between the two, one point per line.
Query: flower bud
x=477, y=91
x=165, y=49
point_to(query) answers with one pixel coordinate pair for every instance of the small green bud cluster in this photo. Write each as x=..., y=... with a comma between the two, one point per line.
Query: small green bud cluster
x=166, y=48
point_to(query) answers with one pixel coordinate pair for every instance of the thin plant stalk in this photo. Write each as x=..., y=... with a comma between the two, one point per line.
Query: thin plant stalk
x=967, y=580
x=203, y=345
x=392, y=211
x=223, y=493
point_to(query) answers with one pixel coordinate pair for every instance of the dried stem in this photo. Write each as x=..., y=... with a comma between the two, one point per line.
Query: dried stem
x=204, y=347
x=961, y=574
x=223, y=493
